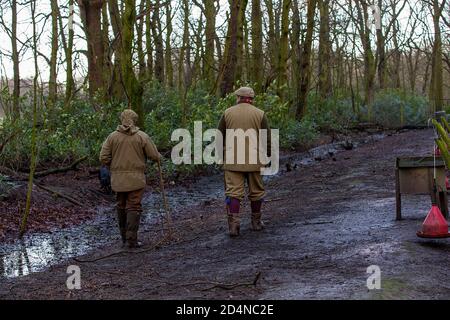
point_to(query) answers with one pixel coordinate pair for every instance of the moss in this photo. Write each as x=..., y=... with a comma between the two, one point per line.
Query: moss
x=391, y=289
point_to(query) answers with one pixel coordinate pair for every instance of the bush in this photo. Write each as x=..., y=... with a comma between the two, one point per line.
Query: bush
x=393, y=108
x=66, y=135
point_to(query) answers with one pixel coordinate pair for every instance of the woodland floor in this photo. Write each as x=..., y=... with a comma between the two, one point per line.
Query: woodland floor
x=326, y=222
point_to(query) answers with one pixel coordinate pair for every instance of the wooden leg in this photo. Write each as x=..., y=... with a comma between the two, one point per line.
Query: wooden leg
x=398, y=197
x=443, y=203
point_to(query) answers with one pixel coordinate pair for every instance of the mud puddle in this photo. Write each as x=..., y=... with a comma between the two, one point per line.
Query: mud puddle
x=38, y=251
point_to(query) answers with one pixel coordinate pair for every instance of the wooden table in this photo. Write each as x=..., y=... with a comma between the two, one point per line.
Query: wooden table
x=414, y=175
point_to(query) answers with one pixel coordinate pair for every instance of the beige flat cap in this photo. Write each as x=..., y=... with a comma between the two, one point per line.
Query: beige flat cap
x=245, y=92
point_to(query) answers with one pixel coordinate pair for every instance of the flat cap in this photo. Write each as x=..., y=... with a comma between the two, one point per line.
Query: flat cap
x=245, y=92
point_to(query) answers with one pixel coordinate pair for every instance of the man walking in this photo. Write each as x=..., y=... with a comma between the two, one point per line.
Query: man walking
x=125, y=151
x=247, y=118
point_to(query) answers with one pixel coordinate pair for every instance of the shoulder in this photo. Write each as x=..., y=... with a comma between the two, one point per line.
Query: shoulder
x=230, y=109
x=256, y=110
x=113, y=135
x=143, y=136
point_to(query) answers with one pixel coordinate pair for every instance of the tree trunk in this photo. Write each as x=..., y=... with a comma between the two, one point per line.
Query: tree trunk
x=437, y=95
x=15, y=58
x=240, y=43
x=91, y=14
x=305, y=69
x=116, y=88
x=148, y=42
x=69, y=56
x=227, y=74
x=324, y=50
x=34, y=149
x=133, y=87
x=283, y=52
x=139, y=40
x=257, y=65
x=158, y=41
x=369, y=59
x=209, y=63
x=168, y=51
x=297, y=51
x=52, y=85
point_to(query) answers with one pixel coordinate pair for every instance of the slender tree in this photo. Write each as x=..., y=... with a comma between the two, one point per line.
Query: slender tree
x=52, y=85
x=325, y=89
x=305, y=69
x=133, y=88
x=257, y=65
x=15, y=58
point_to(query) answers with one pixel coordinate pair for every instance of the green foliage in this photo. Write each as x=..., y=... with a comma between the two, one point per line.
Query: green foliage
x=393, y=108
x=62, y=135
x=68, y=134
x=332, y=114
x=443, y=142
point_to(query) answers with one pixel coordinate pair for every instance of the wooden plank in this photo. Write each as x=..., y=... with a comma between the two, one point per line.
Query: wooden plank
x=419, y=162
x=398, y=197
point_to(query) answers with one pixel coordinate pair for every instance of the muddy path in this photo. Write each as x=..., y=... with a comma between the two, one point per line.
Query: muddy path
x=326, y=222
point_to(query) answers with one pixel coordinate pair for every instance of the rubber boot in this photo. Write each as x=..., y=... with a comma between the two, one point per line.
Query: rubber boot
x=122, y=221
x=133, y=220
x=234, y=224
x=257, y=224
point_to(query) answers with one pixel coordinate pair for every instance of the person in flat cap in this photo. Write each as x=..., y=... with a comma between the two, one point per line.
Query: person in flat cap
x=244, y=115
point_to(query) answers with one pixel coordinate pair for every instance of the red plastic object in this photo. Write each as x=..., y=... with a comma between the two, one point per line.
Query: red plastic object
x=435, y=225
x=437, y=152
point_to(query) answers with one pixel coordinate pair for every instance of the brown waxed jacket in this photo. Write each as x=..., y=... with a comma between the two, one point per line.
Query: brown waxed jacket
x=126, y=151
x=243, y=116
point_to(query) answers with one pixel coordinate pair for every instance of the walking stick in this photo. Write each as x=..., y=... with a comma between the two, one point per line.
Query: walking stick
x=168, y=216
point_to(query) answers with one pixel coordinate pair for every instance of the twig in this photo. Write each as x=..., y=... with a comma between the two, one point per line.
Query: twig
x=319, y=222
x=235, y=285
x=273, y=200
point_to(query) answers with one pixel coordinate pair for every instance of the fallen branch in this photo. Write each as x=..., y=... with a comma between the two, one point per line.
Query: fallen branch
x=319, y=222
x=71, y=200
x=73, y=166
x=273, y=200
x=235, y=285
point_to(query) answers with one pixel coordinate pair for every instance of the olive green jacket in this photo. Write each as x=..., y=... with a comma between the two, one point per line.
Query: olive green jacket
x=243, y=116
x=125, y=151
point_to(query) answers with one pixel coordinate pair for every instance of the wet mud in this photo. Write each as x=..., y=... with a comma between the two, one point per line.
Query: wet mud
x=329, y=215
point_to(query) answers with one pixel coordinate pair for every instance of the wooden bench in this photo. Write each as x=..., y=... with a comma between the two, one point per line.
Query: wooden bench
x=414, y=175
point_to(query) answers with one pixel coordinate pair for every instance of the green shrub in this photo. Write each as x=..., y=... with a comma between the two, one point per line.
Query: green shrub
x=393, y=108
x=68, y=134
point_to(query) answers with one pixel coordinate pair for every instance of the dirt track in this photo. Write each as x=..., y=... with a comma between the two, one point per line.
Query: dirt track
x=328, y=222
